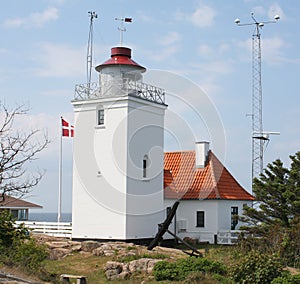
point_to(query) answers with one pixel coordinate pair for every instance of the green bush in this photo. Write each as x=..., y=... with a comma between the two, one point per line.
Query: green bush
x=256, y=268
x=10, y=234
x=29, y=256
x=222, y=279
x=164, y=270
x=16, y=246
x=180, y=269
x=287, y=279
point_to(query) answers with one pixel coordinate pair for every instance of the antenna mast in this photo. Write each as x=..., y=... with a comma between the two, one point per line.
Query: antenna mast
x=259, y=137
x=89, y=57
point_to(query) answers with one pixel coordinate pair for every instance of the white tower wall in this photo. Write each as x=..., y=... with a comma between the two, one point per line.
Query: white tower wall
x=118, y=155
x=111, y=198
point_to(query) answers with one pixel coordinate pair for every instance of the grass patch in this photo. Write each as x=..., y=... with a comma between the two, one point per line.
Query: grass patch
x=78, y=263
x=128, y=258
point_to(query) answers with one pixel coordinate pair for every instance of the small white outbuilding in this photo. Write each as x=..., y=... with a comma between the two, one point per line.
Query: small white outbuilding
x=210, y=197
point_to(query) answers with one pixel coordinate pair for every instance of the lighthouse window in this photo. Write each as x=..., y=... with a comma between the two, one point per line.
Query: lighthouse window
x=145, y=162
x=100, y=117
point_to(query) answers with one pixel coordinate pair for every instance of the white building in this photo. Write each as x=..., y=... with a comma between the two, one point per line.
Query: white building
x=17, y=207
x=118, y=154
x=210, y=197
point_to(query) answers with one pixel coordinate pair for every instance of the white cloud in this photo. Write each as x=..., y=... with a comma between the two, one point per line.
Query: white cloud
x=58, y=60
x=218, y=66
x=274, y=10
x=205, y=50
x=271, y=49
x=270, y=12
x=170, y=38
x=46, y=124
x=258, y=11
x=202, y=17
x=165, y=53
x=35, y=20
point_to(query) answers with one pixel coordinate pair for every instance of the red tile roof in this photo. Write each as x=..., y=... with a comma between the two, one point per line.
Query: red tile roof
x=183, y=180
x=12, y=202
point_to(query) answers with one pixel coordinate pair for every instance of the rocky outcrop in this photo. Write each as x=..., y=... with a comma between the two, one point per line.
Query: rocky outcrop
x=118, y=270
x=60, y=247
x=89, y=246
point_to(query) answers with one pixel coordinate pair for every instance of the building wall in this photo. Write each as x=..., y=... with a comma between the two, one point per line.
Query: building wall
x=225, y=209
x=98, y=181
x=144, y=200
x=217, y=217
x=111, y=199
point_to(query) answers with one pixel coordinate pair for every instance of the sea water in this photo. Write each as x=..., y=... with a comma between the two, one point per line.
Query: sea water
x=49, y=217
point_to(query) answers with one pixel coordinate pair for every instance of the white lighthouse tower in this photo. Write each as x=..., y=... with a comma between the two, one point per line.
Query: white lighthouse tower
x=118, y=153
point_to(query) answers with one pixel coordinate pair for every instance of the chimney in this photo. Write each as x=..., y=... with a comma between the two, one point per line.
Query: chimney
x=202, y=149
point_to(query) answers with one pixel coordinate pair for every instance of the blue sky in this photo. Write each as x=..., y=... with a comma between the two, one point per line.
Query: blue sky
x=43, y=56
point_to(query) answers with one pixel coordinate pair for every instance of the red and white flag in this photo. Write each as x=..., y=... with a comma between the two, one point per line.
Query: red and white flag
x=67, y=128
x=128, y=20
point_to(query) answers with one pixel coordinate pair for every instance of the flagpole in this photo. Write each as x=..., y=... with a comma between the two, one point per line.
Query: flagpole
x=60, y=173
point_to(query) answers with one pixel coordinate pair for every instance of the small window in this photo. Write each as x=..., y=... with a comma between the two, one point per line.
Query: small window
x=168, y=211
x=14, y=213
x=181, y=226
x=200, y=219
x=144, y=168
x=234, y=217
x=23, y=215
x=100, y=120
x=145, y=165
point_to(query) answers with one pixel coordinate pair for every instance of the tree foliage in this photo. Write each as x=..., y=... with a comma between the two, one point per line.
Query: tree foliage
x=274, y=222
x=17, y=150
x=17, y=247
x=278, y=194
x=256, y=268
x=9, y=233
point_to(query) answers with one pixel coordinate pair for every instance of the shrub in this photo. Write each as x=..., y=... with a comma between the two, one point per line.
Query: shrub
x=17, y=248
x=164, y=270
x=180, y=269
x=287, y=279
x=9, y=234
x=29, y=256
x=256, y=268
x=222, y=279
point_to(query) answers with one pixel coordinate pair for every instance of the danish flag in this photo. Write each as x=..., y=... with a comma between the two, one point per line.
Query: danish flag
x=67, y=128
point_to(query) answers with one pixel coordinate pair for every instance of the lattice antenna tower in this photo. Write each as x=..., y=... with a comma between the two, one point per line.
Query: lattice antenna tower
x=259, y=137
x=89, y=57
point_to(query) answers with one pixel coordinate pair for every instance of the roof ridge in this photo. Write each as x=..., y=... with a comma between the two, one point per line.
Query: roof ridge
x=179, y=151
x=215, y=183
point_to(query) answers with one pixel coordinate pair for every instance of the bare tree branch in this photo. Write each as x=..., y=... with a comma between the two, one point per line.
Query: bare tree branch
x=18, y=149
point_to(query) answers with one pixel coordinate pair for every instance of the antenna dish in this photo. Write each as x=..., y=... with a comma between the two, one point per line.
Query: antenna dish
x=277, y=17
x=237, y=21
x=261, y=25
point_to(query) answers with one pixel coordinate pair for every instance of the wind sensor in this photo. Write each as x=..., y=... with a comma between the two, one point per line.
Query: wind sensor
x=122, y=28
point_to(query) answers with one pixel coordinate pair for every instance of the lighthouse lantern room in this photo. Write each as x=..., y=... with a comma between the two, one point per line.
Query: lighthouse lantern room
x=118, y=153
